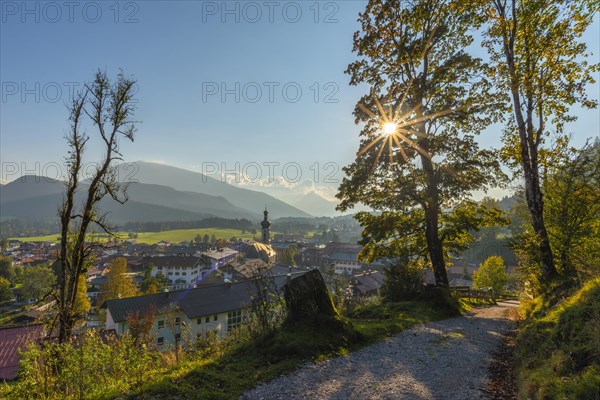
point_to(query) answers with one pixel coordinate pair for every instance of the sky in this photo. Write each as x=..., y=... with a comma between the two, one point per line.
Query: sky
x=253, y=88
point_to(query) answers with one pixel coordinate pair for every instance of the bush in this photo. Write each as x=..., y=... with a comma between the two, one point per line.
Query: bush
x=403, y=281
x=491, y=274
x=85, y=367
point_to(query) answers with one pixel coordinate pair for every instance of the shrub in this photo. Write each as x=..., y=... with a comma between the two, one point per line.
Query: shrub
x=403, y=281
x=491, y=274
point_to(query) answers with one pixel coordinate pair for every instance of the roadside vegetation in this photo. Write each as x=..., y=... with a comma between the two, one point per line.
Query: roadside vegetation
x=558, y=347
x=217, y=369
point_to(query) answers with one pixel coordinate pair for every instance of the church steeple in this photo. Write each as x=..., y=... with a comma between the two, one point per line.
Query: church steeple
x=266, y=228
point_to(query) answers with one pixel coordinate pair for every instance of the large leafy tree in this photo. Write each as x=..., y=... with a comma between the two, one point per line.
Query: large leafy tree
x=540, y=66
x=419, y=161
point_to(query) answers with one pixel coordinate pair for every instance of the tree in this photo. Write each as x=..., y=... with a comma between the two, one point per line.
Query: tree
x=418, y=160
x=118, y=284
x=213, y=239
x=289, y=256
x=572, y=212
x=109, y=108
x=38, y=281
x=153, y=284
x=491, y=274
x=7, y=271
x=206, y=239
x=5, y=292
x=541, y=67
x=82, y=302
x=140, y=325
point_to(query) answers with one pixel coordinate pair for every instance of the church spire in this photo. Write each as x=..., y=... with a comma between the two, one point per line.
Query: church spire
x=266, y=227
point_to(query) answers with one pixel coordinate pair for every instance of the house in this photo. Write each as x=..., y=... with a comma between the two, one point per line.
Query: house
x=182, y=271
x=345, y=262
x=367, y=283
x=190, y=314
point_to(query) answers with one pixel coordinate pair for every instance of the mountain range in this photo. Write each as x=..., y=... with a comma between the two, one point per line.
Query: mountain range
x=158, y=192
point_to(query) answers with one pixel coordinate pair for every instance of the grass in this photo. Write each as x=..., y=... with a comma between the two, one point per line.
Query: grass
x=173, y=236
x=226, y=369
x=558, y=347
x=240, y=368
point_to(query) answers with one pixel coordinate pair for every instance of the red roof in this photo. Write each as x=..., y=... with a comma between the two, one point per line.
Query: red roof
x=11, y=340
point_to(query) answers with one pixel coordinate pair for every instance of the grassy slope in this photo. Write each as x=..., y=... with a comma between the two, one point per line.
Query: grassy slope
x=174, y=236
x=558, y=348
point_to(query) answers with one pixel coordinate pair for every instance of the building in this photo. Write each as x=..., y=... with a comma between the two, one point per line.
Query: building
x=367, y=283
x=345, y=262
x=191, y=314
x=182, y=271
x=13, y=339
x=266, y=228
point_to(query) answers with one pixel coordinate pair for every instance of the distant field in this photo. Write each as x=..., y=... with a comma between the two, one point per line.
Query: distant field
x=173, y=236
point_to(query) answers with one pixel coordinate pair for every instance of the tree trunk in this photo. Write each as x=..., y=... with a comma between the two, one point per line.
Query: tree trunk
x=529, y=160
x=535, y=203
x=432, y=234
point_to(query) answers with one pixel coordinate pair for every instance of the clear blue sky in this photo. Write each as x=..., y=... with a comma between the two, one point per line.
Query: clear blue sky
x=179, y=51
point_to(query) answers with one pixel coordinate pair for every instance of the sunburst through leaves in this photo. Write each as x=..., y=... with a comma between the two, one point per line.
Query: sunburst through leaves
x=396, y=128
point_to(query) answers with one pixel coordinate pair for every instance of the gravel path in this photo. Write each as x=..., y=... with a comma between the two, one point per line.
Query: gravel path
x=441, y=360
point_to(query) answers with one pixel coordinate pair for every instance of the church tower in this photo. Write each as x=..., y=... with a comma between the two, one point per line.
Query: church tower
x=266, y=228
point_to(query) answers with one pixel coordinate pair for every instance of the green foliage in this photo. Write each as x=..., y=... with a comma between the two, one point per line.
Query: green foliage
x=153, y=284
x=403, y=281
x=491, y=274
x=5, y=292
x=82, y=303
x=572, y=209
x=558, y=348
x=289, y=256
x=37, y=281
x=540, y=70
x=412, y=55
x=85, y=367
x=7, y=271
x=118, y=284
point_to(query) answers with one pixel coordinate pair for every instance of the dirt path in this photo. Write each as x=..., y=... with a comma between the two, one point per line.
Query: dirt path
x=447, y=359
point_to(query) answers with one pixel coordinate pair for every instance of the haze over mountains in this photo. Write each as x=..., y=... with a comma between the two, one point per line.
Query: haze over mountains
x=159, y=192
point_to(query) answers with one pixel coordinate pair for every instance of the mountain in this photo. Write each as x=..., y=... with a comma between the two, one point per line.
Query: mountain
x=39, y=198
x=317, y=205
x=202, y=203
x=29, y=186
x=188, y=181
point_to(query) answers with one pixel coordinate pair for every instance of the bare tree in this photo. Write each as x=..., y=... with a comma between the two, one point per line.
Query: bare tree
x=109, y=108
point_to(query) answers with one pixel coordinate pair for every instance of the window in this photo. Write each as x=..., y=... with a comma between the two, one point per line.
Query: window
x=234, y=318
x=199, y=321
x=207, y=319
x=177, y=273
x=184, y=273
x=170, y=273
x=161, y=324
x=215, y=317
x=160, y=341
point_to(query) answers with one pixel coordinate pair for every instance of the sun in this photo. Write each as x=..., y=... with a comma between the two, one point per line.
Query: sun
x=389, y=128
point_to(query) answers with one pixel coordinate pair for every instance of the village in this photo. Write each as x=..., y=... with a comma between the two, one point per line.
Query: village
x=194, y=289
